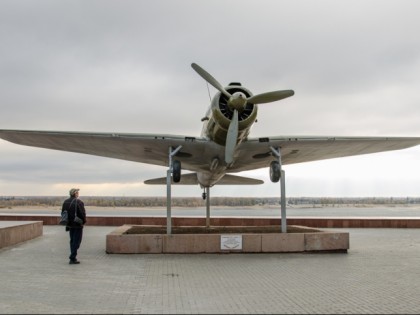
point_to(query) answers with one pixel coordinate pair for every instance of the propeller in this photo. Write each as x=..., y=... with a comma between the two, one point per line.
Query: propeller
x=269, y=97
x=237, y=102
x=231, y=138
x=207, y=76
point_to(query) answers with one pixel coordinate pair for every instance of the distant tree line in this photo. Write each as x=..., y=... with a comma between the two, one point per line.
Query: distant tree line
x=333, y=201
x=144, y=202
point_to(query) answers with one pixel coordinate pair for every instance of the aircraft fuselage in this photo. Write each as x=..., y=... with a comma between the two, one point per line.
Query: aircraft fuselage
x=216, y=124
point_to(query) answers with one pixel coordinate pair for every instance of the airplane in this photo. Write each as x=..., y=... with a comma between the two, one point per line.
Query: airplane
x=224, y=146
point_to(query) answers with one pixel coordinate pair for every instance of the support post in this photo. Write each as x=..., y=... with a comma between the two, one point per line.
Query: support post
x=168, y=190
x=207, y=207
x=277, y=153
x=283, y=201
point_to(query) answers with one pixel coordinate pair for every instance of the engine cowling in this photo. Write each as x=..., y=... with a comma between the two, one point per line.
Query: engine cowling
x=221, y=114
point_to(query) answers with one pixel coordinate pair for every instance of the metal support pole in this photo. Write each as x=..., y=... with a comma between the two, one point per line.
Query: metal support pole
x=283, y=202
x=168, y=201
x=168, y=190
x=277, y=153
x=207, y=207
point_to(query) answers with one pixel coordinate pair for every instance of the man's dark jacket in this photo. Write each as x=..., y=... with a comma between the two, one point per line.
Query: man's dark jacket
x=72, y=205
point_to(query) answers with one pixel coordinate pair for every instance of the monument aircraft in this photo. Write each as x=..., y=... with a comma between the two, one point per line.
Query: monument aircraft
x=223, y=148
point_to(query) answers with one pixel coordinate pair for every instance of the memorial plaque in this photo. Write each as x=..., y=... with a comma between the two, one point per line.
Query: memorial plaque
x=230, y=242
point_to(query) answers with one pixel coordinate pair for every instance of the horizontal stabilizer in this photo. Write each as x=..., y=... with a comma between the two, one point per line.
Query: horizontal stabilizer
x=186, y=179
x=239, y=180
x=191, y=179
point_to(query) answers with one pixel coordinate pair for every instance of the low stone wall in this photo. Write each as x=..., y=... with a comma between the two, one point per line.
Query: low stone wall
x=329, y=222
x=14, y=232
x=131, y=239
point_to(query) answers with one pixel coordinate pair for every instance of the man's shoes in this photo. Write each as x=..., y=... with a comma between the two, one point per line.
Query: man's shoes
x=74, y=262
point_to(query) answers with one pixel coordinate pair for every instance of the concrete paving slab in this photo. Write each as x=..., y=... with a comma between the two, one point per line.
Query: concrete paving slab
x=379, y=274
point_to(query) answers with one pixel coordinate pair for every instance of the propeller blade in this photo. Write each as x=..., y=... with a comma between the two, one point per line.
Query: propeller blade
x=207, y=76
x=270, y=96
x=231, y=138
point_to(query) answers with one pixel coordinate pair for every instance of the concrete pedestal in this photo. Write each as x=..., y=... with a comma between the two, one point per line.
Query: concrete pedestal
x=136, y=239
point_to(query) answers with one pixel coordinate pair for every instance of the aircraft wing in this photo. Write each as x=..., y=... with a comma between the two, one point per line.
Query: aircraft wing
x=256, y=153
x=196, y=152
x=144, y=148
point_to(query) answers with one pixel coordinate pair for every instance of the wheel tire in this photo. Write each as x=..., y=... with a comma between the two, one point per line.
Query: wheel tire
x=176, y=171
x=275, y=171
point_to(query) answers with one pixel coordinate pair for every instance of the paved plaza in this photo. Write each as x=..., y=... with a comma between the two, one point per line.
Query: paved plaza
x=379, y=274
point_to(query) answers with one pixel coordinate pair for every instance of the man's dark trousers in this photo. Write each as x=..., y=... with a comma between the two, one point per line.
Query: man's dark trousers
x=76, y=235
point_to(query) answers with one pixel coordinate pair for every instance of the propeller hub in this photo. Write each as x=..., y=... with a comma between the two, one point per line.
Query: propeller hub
x=237, y=101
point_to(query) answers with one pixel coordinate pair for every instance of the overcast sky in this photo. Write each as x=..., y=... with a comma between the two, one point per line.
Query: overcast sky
x=124, y=66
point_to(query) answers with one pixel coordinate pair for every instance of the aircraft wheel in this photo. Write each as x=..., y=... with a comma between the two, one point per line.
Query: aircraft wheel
x=176, y=171
x=275, y=171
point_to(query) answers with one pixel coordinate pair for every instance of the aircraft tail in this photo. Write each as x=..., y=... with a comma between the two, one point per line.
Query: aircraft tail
x=191, y=179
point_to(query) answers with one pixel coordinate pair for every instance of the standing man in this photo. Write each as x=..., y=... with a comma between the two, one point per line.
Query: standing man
x=75, y=208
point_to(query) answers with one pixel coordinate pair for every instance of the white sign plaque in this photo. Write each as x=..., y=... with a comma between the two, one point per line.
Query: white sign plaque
x=231, y=242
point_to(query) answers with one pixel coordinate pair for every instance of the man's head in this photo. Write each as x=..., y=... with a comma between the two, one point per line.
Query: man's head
x=74, y=191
